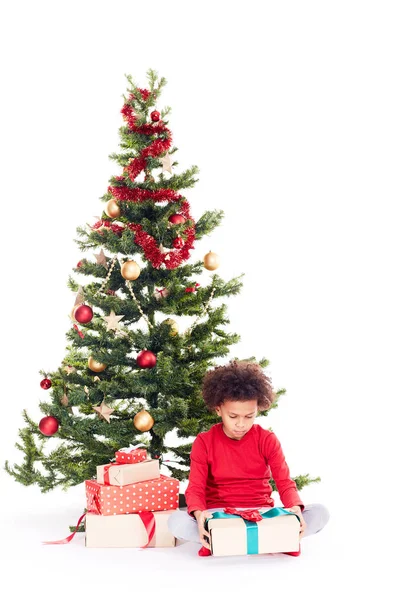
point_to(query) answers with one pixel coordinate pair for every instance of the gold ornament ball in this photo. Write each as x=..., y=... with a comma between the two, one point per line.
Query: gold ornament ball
x=173, y=325
x=130, y=270
x=112, y=209
x=211, y=261
x=96, y=366
x=143, y=421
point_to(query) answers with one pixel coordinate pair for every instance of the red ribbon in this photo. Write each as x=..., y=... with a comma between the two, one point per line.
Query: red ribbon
x=107, y=474
x=249, y=515
x=149, y=522
x=94, y=505
x=78, y=330
x=69, y=538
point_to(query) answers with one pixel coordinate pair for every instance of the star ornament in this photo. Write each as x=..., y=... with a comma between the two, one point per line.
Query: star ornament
x=101, y=259
x=104, y=411
x=80, y=297
x=166, y=163
x=68, y=369
x=64, y=400
x=113, y=321
x=121, y=334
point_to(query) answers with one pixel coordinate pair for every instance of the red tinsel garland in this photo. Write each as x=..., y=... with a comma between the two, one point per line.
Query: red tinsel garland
x=140, y=195
x=145, y=94
x=173, y=258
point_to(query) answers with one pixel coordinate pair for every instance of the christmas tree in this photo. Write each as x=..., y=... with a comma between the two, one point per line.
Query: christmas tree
x=130, y=375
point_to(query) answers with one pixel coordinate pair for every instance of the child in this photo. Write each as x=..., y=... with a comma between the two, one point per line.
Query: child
x=232, y=463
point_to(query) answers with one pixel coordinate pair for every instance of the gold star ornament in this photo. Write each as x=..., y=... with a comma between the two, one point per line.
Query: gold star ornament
x=101, y=259
x=80, y=298
x=166, y=163
x=113, y=321
x=64, y=400
x=68, y=369
x=104, y=411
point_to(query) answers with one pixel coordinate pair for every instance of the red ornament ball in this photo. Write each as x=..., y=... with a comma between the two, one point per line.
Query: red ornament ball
x=146, y=359
x=155, y=115
x=45, y=384
x=178, y=242
x=83, y=314
x=48, y=425
x=176, y=219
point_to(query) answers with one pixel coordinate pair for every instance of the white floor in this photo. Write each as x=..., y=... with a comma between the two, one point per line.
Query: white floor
x=330, y=565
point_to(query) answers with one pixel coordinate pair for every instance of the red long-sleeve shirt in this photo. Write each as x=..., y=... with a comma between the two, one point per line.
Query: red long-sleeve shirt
x=235, y=473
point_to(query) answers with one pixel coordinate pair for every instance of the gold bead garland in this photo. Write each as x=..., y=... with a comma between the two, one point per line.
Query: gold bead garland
x=129, y=286
x=107, y=279
x=202, y=312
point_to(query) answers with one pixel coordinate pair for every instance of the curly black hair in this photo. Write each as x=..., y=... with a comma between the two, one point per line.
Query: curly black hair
x=238, y=380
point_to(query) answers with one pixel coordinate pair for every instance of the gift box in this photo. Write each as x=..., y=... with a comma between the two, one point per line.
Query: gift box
x=131, y=455
x=127, y=531
x=253, y=532
x=117, y=474
x=159, y=494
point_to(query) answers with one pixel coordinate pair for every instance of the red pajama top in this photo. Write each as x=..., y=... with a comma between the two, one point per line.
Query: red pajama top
x=226, y=472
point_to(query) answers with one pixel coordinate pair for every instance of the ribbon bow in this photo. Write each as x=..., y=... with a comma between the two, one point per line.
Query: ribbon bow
x=131, y=448
x=106, y=473
x=249, y=515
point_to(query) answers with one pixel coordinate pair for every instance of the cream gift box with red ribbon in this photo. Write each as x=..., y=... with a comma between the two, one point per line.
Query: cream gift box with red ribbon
x=124, y=474
x=237, y=532
x=127, y=531
x=157, y=494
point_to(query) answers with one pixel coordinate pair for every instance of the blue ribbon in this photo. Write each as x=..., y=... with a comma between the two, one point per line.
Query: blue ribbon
x=252, y=526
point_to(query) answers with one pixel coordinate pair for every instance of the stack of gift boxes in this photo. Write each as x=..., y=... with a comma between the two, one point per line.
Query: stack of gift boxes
x=129, y=503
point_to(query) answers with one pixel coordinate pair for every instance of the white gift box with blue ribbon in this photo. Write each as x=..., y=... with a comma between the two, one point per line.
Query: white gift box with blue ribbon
x=274, y=530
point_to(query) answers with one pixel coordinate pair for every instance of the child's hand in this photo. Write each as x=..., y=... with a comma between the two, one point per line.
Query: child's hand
x=201, y=516
x=297, y=510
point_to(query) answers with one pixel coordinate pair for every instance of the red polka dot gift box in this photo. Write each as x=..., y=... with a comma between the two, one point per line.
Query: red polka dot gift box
x=131, y=455
x=152, y=495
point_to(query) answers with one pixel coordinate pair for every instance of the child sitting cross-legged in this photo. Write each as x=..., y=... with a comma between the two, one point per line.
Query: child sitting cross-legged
x=232, y=463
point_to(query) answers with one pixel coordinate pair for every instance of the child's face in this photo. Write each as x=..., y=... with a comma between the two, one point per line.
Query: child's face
x=237, y=417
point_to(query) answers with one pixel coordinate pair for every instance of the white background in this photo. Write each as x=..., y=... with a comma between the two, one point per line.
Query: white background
x=291, y=111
